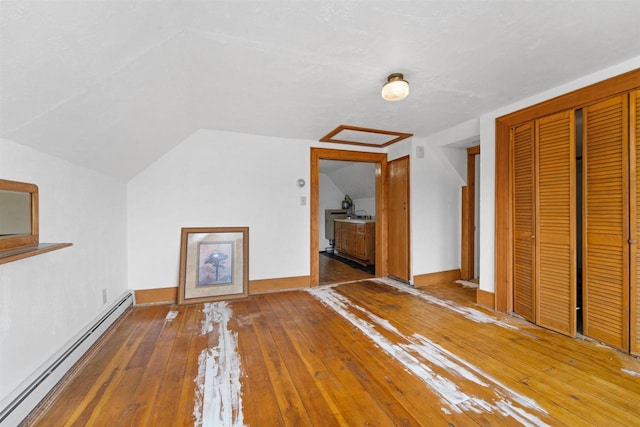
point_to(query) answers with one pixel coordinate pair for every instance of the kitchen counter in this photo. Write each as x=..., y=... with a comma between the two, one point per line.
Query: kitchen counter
x=355, y=220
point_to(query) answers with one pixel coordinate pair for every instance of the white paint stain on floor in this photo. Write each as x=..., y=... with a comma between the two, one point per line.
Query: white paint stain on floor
x=468, y=312
x=467, y=284
x=437, y=367
x=630, y=372
x=219, y=391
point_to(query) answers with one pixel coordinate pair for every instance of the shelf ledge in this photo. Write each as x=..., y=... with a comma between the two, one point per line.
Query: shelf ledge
x=15, y=254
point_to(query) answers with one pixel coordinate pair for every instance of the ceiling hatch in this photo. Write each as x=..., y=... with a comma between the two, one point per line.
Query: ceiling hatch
x=353, y=135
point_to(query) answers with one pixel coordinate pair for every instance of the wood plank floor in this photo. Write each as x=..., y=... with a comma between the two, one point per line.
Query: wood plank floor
x=372, y=352
x=334, y=271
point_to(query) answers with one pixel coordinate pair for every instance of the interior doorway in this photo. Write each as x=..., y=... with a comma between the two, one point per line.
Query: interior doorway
x=347, y=199
x=380, y=162
x=469, y=265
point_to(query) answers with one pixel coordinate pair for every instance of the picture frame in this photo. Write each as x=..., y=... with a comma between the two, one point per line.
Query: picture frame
x=214, y=264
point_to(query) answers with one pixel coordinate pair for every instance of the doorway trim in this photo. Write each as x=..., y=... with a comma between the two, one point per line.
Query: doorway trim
x=467, y=263
x=380, y=160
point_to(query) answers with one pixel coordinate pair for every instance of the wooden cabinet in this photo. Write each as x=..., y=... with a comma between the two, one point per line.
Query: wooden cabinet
x=356, y=240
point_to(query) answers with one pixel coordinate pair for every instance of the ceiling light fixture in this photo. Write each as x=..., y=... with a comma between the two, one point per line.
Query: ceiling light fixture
x=396, y=87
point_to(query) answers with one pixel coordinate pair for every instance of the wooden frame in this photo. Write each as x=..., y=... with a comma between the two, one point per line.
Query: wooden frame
x=398, y=136
x=19, y=240
x=213, y=264
x=380, y=159
x=467, y=263
x=503, y=170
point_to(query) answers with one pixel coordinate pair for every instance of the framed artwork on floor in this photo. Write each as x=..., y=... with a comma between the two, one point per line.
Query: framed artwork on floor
x=213, y=264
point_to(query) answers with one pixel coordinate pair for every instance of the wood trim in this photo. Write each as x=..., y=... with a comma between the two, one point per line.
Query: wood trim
x=399, y=136
x=466, y=270
x=634, y=226
x=281, y=284
x=467, y=263
x=9, y=242
x=170, y=295
x=485, y=298
x=435, y=278
x=380, y=159
x=156, y=296
x=15, y=254
x=503, y=263
x=503, y=224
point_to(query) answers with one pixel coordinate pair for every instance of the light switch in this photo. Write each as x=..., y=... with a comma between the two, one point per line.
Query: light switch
x=303, y=200
x=420, y=152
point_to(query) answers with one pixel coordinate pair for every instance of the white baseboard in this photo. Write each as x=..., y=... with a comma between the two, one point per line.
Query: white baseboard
x=17, y=406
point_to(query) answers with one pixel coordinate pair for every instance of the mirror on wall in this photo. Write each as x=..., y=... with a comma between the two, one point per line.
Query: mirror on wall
x=15, y=213
x=18, y=214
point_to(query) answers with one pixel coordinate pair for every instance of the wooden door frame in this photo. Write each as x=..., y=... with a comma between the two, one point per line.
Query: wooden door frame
x=467, y=259
x=503, y=286
x=380, y=160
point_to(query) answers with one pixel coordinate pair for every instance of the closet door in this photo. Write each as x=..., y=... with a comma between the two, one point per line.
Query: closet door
x=555, y=284
x=634, y=116
x=522, y=139
x=606, y=222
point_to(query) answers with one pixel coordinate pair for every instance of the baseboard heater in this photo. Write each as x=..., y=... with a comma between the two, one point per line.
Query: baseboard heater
x=17, y=406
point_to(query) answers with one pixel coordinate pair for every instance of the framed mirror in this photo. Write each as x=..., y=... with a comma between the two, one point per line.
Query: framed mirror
x=18, y=214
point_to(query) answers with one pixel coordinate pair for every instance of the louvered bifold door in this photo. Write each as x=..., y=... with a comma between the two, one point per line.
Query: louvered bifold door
x=523, y=221
x=555, y=231
x=606, y=222
x=634, y=115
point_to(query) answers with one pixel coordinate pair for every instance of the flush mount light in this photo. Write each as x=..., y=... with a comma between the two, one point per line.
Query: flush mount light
x=396, y=87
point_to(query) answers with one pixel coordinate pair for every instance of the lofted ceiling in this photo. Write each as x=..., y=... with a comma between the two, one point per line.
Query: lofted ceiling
x=357, y=179
x=114, y=85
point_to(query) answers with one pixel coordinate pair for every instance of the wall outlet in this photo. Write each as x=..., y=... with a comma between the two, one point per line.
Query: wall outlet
x=104, y=296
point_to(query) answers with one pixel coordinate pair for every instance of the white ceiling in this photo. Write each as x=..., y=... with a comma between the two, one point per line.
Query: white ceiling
x=114, y=85
x=357, y=179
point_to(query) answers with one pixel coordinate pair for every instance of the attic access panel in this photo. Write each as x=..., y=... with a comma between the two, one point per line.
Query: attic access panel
x=353, y=135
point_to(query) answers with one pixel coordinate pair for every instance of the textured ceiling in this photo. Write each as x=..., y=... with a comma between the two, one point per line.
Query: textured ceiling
x=357, y=179
x=114, y=85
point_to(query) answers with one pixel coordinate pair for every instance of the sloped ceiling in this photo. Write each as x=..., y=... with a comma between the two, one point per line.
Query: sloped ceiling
x=114, y=85
x=357, y=179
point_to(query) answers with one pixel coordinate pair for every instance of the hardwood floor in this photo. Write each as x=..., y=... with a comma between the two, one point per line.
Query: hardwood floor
x=334, y=271
x=372, y=352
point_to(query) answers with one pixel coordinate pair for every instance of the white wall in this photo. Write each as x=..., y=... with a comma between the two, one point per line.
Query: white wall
x=47, y=299
x=487, y=159
x=365, y=204
x=220, y=179
x=435, y=198
x=435, y=210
